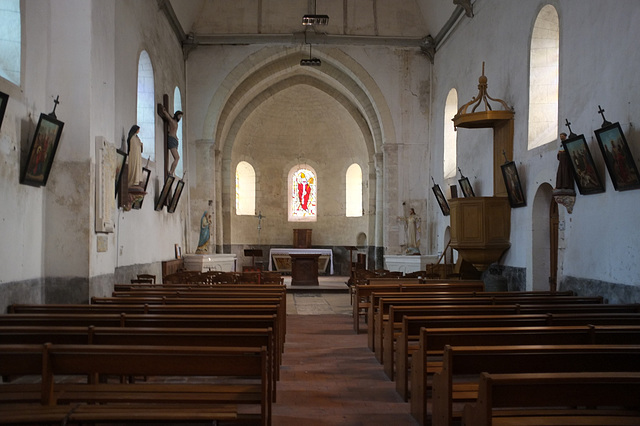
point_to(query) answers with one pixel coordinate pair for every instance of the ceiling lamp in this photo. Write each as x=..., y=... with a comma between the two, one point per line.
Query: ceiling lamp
x=311, y=62
x=315, y=20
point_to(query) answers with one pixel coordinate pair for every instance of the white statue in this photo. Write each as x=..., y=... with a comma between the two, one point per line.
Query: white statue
x=412, y=232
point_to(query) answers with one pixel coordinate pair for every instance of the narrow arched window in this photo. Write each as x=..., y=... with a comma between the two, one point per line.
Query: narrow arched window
x=146, y=111
x=303, y=194
x=245, y=189
x=544, y=64
x=354, y=191
x=177, y=106
x=450, y=139
x=10, y=40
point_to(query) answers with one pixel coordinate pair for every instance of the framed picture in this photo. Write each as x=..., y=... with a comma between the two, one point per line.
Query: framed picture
x=176, y=196
x=512, y=182
x=146, y=173
x=584, y=169
x=617, y=156
x=467, y=190
x=43, y=149
x=166, y=190
x=178, y=251
x=4, y=100
x=121, y=157
x=442, y=202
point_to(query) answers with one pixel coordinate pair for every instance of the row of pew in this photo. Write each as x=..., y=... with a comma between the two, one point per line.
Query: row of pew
x=149, y=353
x=460, y=355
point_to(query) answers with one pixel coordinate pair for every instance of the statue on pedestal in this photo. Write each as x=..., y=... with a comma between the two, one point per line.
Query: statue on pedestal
x=203, y=242
x=412, y=231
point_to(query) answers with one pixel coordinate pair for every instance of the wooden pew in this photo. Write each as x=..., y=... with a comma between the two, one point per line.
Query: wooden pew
x=209, y=337
x=374, y=309
x=149, y=321
x=433, y=342
x=615, y=395
x=407, y=340
x=384, y=305
x=470, y=361
x=245, y=371
x=221, y=306
x=361, y=293
x=499, y=306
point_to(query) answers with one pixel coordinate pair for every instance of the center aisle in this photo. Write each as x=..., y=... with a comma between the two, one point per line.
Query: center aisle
x=330, y=377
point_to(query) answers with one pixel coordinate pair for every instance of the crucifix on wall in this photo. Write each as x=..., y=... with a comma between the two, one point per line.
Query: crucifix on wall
x=260, y=217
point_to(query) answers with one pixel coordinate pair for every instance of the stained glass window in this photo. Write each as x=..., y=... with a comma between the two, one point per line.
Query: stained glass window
x=303, y=195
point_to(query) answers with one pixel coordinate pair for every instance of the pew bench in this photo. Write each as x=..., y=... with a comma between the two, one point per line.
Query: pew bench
x=221, y=380
x=361, y=293
x=407, y=340
x=239, y=308
x=150, y=321
x=209, y=337
x=543, y=398
x=457, y=383
x=501, y=306
x=427, y=360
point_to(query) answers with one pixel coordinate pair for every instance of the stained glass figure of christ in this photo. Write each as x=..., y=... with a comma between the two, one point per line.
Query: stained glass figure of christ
x=303, y=194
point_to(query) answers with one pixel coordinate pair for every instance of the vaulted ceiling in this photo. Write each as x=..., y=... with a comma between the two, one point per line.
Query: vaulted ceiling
x=279, y=21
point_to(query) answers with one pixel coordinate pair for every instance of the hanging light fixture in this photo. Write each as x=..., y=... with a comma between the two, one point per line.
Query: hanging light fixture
x=315, y=19
x=311, y=62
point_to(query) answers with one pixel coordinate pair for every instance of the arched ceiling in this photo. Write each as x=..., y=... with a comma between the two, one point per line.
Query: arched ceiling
x=350, y=17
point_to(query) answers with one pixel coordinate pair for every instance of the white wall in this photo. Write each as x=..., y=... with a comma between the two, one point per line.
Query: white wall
x=598, y=66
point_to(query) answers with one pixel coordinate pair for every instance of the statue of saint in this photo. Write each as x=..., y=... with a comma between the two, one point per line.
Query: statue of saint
x=203, y=242
x=412, y=232
x=134, y=147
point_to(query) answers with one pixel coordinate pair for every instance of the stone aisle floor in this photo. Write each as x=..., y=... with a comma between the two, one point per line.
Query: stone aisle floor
x=330, y=377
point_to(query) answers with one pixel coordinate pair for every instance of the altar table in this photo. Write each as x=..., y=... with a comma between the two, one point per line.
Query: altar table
x=324, y=253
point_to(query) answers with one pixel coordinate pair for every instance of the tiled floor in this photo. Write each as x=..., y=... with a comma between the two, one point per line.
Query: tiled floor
x=330, y=377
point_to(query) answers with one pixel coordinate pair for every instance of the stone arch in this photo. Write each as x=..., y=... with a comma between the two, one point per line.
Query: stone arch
x=269, y=70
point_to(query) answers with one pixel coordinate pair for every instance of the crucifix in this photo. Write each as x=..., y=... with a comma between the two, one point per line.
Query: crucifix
x=571, y=134
x=56, y=102
x=605, y=123
x=260, y=217
x=165, y=127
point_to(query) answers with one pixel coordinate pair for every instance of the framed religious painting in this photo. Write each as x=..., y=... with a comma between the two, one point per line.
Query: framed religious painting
x=176, y=197
x=617, y=157
x=584, y=169
x=465, y=185
x=43, y=149
x=513, y=184
x=4, y=100
x=442, y=202
x=164, y=194
x=146, y=173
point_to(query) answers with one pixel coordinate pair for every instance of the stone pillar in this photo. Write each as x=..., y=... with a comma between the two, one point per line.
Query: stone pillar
x=391, y=202
x=378, y=240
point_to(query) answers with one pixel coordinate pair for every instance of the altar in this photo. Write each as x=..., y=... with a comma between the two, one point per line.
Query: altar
x=210, y=262
x=281, y=259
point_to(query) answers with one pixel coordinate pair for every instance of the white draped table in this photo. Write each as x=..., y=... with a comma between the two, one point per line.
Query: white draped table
x=288, y=251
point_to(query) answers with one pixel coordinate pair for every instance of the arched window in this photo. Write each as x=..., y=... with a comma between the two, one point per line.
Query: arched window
x=146, y=106
x=177, y=106
x=543, y=78
x=10, y=40
x=245, y=189
x=303, y=191
x=354, y=191
x=450, y=140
